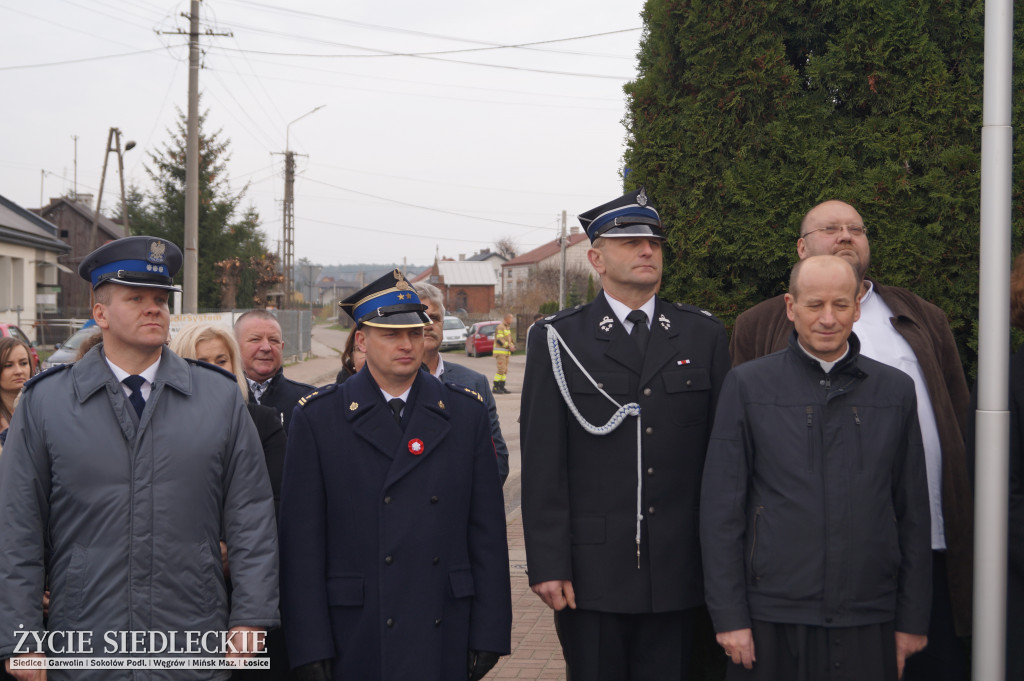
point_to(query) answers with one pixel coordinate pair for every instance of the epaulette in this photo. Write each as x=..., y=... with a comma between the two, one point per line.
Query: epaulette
x=207, y=365
x=52, y=371
x=463, y=390
x=318, y=393
x=699, y=311
x=561, y=314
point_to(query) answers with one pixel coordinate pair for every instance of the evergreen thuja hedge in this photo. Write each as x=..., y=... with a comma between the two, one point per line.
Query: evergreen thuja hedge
x=745, y=114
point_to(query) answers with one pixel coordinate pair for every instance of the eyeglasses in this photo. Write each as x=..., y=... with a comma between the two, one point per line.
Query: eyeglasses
x=832, y=230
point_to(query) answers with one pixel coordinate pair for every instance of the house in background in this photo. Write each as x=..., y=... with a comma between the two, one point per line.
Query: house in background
x=466, y=286
x=29, y=250
x=535, y=274
x=496, y=260
x=73, y=219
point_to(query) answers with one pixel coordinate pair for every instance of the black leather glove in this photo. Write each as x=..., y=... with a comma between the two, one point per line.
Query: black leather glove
x=480, y=662
x=314, y=671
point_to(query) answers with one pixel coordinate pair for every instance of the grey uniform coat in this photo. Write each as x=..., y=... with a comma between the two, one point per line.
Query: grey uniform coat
x=122, y=517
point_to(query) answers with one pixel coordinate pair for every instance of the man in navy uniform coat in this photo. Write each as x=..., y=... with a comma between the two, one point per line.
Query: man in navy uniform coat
x=394, y=555
x=617, y=405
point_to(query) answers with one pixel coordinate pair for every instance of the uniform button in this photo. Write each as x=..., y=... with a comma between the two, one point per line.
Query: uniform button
x=433, y=500
x=647, y=392
x=649, y=430
x=437, y=622
x=650, y=471
x=436, y=560
x=600, y=385
x=689, y=382
x=387, y=500
x=650, y=510
x=388, y=560
x=390, y=622
x=837, y=665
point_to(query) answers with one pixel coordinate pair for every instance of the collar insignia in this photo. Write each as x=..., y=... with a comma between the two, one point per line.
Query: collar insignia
x=606, y=324
x=440, y=403
x=353, y=406
x=665, y=323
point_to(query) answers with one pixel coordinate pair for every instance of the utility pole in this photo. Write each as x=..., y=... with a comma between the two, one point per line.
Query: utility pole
x=113, y=138
x=288, y=217
x=75, y=190
x=191, y=274
x=190, y=305
x=288, y=221
x=561, y=274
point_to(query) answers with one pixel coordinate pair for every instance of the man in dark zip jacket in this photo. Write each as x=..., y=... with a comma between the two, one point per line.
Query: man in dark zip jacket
x=815, y=523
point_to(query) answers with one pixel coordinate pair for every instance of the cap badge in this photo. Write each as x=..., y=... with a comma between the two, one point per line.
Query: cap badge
x=404, y=296
x=606, y=324
x=156, y=251
x=665, y=323
x=353, y=406
x=641, y=198
x=416, y=446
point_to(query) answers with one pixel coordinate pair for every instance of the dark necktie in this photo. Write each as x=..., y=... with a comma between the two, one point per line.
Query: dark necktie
x=640, y=332
x=396, y=409
x=135, y=382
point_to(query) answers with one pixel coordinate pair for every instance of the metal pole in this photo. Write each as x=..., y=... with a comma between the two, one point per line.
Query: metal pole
x=993, y=418
x=561, y=273
x=191, y=274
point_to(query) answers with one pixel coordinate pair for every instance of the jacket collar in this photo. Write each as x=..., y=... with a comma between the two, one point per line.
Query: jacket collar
x=850, y=361
x=91, y=373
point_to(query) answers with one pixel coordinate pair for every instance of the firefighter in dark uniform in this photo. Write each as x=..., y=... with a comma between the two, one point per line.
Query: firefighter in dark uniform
x=394, y=560
x=617, y=405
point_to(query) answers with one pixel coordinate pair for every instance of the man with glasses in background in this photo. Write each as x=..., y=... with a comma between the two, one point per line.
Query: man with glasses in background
x=898, y=328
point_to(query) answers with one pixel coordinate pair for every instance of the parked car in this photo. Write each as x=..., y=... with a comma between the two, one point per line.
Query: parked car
x=480, y=338
x=14, y=332
x=68, y=350
x=453, y=333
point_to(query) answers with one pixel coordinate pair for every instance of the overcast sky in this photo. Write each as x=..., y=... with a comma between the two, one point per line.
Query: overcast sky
x=409, y=155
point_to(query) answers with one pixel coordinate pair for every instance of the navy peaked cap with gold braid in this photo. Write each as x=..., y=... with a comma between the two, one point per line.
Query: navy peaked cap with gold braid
x=147, y=261
x=630, y=215
x=389, y=301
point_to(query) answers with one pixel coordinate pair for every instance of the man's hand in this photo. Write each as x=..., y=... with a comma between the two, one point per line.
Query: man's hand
x=479, y=663
x=246, y=642
x=557, y=593
x=907, y=645
x=739, y=646
x=26, y=674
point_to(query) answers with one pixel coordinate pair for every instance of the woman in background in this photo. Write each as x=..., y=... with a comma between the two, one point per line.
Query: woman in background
x=352, y=359
x=15, y=368
x=216, y=344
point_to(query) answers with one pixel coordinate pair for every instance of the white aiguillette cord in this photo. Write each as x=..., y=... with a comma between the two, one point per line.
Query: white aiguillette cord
x=623, y=411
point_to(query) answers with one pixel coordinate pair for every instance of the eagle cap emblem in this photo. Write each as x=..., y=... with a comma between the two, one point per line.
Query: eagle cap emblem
x=641, y=198
x=156, y=251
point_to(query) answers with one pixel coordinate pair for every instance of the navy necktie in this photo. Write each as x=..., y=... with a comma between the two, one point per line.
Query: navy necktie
x=396, y=409
x=135, y=382
x=640, y=332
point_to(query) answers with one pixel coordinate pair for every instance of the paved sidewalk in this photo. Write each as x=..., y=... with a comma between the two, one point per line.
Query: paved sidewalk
x=535, y=650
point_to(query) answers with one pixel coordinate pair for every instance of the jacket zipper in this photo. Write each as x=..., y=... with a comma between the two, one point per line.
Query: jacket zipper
x=753, y=544
x=860, y=442
x=810, y=437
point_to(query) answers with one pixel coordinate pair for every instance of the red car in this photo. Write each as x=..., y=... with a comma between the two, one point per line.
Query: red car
x=480, y=338
x=14, y=332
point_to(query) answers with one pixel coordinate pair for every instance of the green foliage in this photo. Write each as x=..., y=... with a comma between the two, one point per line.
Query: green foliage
x=747, y=113
x=550, y=307
x=223, y=233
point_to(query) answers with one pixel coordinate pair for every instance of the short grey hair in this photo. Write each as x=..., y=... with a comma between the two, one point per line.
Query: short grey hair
x=431, y=293
x=255, y=314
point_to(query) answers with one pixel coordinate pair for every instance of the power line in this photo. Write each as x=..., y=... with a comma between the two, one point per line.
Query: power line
x=81, y=60
x=51, y=22
x=109, y=16
x=416, y=205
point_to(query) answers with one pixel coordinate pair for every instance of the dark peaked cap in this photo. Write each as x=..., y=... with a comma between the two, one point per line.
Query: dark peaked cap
x=629, y=215
x=147, y=261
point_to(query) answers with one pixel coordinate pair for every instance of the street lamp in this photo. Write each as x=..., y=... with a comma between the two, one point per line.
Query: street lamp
x=287, y=128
